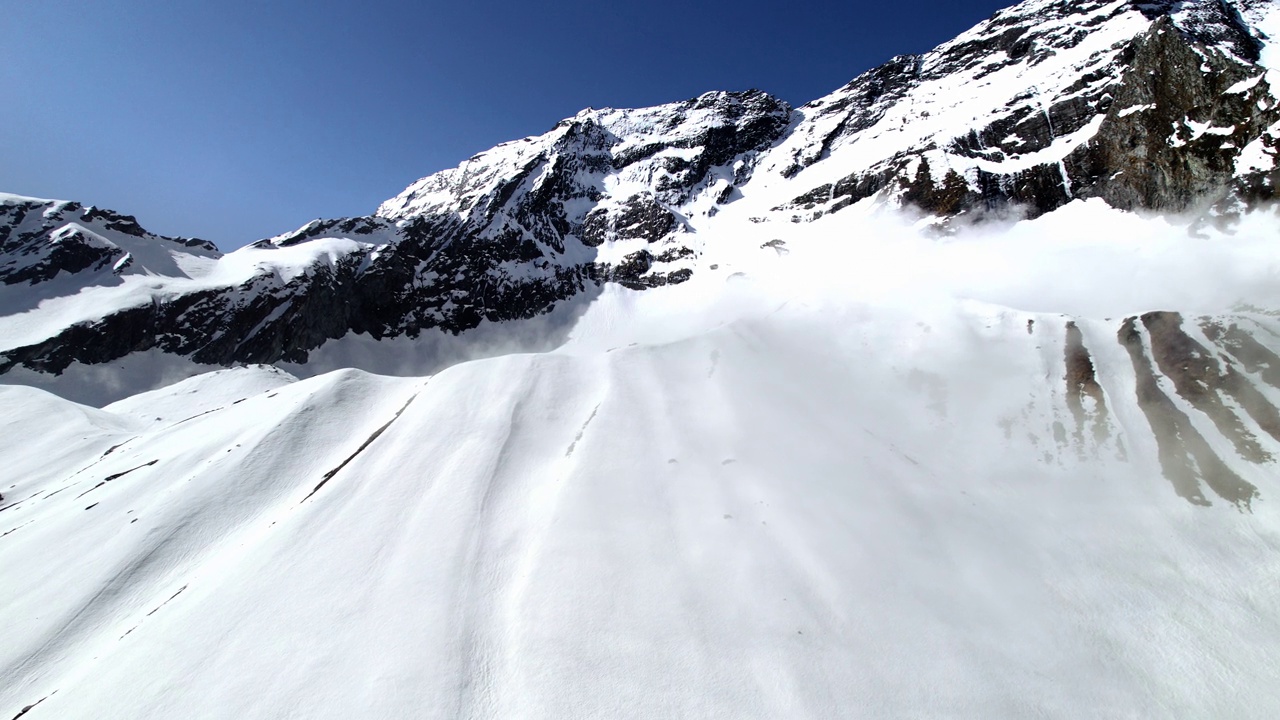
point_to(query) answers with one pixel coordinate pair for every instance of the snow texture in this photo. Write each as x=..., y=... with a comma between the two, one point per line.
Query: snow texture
x=772, y=491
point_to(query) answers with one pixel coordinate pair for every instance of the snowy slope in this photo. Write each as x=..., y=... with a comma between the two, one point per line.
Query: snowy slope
x=773, y=491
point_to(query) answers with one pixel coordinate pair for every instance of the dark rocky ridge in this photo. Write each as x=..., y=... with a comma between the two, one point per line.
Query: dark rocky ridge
x=1177, y=71
x=40, y=239
x=506, y=242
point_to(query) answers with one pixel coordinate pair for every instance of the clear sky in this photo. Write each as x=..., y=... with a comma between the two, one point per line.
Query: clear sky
x=234, y=120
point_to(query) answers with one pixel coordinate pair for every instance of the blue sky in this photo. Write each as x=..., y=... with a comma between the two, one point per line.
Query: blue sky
x=236, y=120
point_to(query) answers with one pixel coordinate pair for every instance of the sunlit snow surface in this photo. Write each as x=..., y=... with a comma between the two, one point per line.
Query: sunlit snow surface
x=819, y=480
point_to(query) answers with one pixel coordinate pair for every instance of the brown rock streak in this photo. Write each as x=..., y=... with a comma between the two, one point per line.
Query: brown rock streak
x=1185, y=456
x=1201, y=380
x=1082, y=382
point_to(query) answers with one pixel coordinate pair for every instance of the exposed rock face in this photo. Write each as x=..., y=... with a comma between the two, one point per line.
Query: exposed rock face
x=508, y=235
x=270, y=317
x=1153, y=105
x=1083, y=391
x=624, y=173
x=640, y=216
x=1182, y=116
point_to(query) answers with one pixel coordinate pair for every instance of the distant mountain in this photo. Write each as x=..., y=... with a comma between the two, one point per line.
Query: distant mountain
x=45, y=239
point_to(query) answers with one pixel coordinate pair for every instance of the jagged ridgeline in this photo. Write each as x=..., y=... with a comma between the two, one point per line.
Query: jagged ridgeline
x=1149, y=105
x=507, y=235
x=1157, y=106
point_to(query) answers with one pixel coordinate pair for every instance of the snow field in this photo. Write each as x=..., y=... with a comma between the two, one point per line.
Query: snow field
x=805, y=511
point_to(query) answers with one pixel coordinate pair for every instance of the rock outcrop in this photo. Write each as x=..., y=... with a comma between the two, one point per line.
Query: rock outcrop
x=39, y=239
x=1157, y=106
x=508, y=235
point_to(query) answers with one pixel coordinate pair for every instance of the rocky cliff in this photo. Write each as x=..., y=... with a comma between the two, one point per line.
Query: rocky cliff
x=1159, y=106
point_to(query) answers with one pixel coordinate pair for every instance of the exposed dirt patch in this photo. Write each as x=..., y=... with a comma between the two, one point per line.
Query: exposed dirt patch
x=1082, y=382
x=1186, y=457
x=1253, y=355
x=1201, y=380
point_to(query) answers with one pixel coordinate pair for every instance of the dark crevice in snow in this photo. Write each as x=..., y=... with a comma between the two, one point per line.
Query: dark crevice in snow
x=27, y=709
x=581, y=432
x=109, y=478
x=156, y=608
x=16, y=504
x=193, y=417
x=8, y=532
x=110, y=450
x=329, y=475
x=55, y=492
x=113, y=448
x=166, y=602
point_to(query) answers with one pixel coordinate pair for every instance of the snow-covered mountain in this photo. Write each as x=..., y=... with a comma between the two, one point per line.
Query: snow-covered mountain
x=955, y=393
x=45, y=239
x=508, y=235
x=1149, y=105
x=1158, y=106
